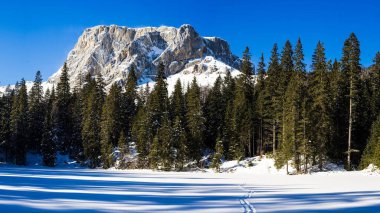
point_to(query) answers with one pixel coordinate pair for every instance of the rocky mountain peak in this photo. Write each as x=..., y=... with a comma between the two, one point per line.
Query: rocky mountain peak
x=112, y=50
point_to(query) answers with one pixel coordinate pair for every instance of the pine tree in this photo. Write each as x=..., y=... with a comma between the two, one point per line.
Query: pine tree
x=338, y=143
x=154, y=153
x=244, y=106
x=302, y=130
x=214, y=107
x=177, y=103
x=217, y=158
x=76, y=106
x=129, y=102
x=91, y=120
x=167, y=150
x=124, y=151
x=61, y=113
x=351, y=68
x=111, y=125
x=36, y=114
x=319, y=114
x=143, y=135
x=262, y=104
x=375, y=87
x=372, y=151
x=48, y=149
x=19, y=124
x=293, y=126
x=287, y=65
x=180, y=143
x=5, y=124
x=274, y=90
x=158, y=100
x=195, y=121
x=229, y=128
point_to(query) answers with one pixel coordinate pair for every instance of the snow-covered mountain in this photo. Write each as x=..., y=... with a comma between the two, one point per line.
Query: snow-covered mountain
x=112, y=50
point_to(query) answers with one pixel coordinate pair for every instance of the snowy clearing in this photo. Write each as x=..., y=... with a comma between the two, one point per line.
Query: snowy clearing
x=39, y=189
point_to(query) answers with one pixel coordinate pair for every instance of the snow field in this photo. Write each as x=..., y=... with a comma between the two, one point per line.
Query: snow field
x=252, y=185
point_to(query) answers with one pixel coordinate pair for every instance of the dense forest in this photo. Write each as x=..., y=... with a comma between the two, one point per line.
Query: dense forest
x=301, y=116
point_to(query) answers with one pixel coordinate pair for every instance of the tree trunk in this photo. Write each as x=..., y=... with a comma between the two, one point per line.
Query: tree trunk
x=349, y=129
x=274, y=139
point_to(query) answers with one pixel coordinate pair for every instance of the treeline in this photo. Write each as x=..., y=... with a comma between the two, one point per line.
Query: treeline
x=327, y=114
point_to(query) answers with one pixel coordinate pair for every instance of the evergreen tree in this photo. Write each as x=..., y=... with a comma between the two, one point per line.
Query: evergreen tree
x=111, y=124
x=177, y=102
x=217, y=158
x=262, y=104
x=287, y=65
x=91, y=131
x=48, y=149
x=76, y=106
x=5, y=124
x=195, y=121
x=229, y=128
x=375, y=87
x=294, y=128
x=274, y=90
x=319, y=114
x=302, y=130
x=372, y=151
x=61, y=113
x=143, y=135
x=36, y=114
x=214, y=107
x=124, y=151
x=244, y=107
x=179, y=138
x=158, y=100
x=19, y=124
x=166, y=147
x=154, y=153
x=129, y=102
x=357, y=130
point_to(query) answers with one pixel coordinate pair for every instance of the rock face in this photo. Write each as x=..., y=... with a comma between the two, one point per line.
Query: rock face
x=112, y=50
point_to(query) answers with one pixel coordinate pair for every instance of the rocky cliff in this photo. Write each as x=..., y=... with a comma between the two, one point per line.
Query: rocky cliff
x=112, y=50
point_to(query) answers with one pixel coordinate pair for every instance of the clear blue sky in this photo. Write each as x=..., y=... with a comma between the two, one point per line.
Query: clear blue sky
x=38, y=35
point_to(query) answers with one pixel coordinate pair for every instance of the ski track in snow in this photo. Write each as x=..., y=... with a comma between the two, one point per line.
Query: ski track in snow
x=244, y=201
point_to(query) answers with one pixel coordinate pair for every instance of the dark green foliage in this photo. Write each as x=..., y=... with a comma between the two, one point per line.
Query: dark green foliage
x=274, y=89
x=48, y=149
x=243, y=107
x=129, y=108
x=195, y=121
x=91, y=125
x=111, y=125
x=294, y=138
x=123, y=151
x=36, y=114
x=61, y=113
x=262, y=108
x=214, y=107
x=375, y=87
x=320, y=107
x=19, y=124
x=180, y=143
x=76, y=107
x=166, y=147
x=217, y=158
x=372, y=151
x=177, y=103
x=229, y=131
x=6, y=103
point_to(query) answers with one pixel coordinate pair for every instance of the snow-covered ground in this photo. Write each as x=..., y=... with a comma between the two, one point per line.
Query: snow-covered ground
x=258, y=188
